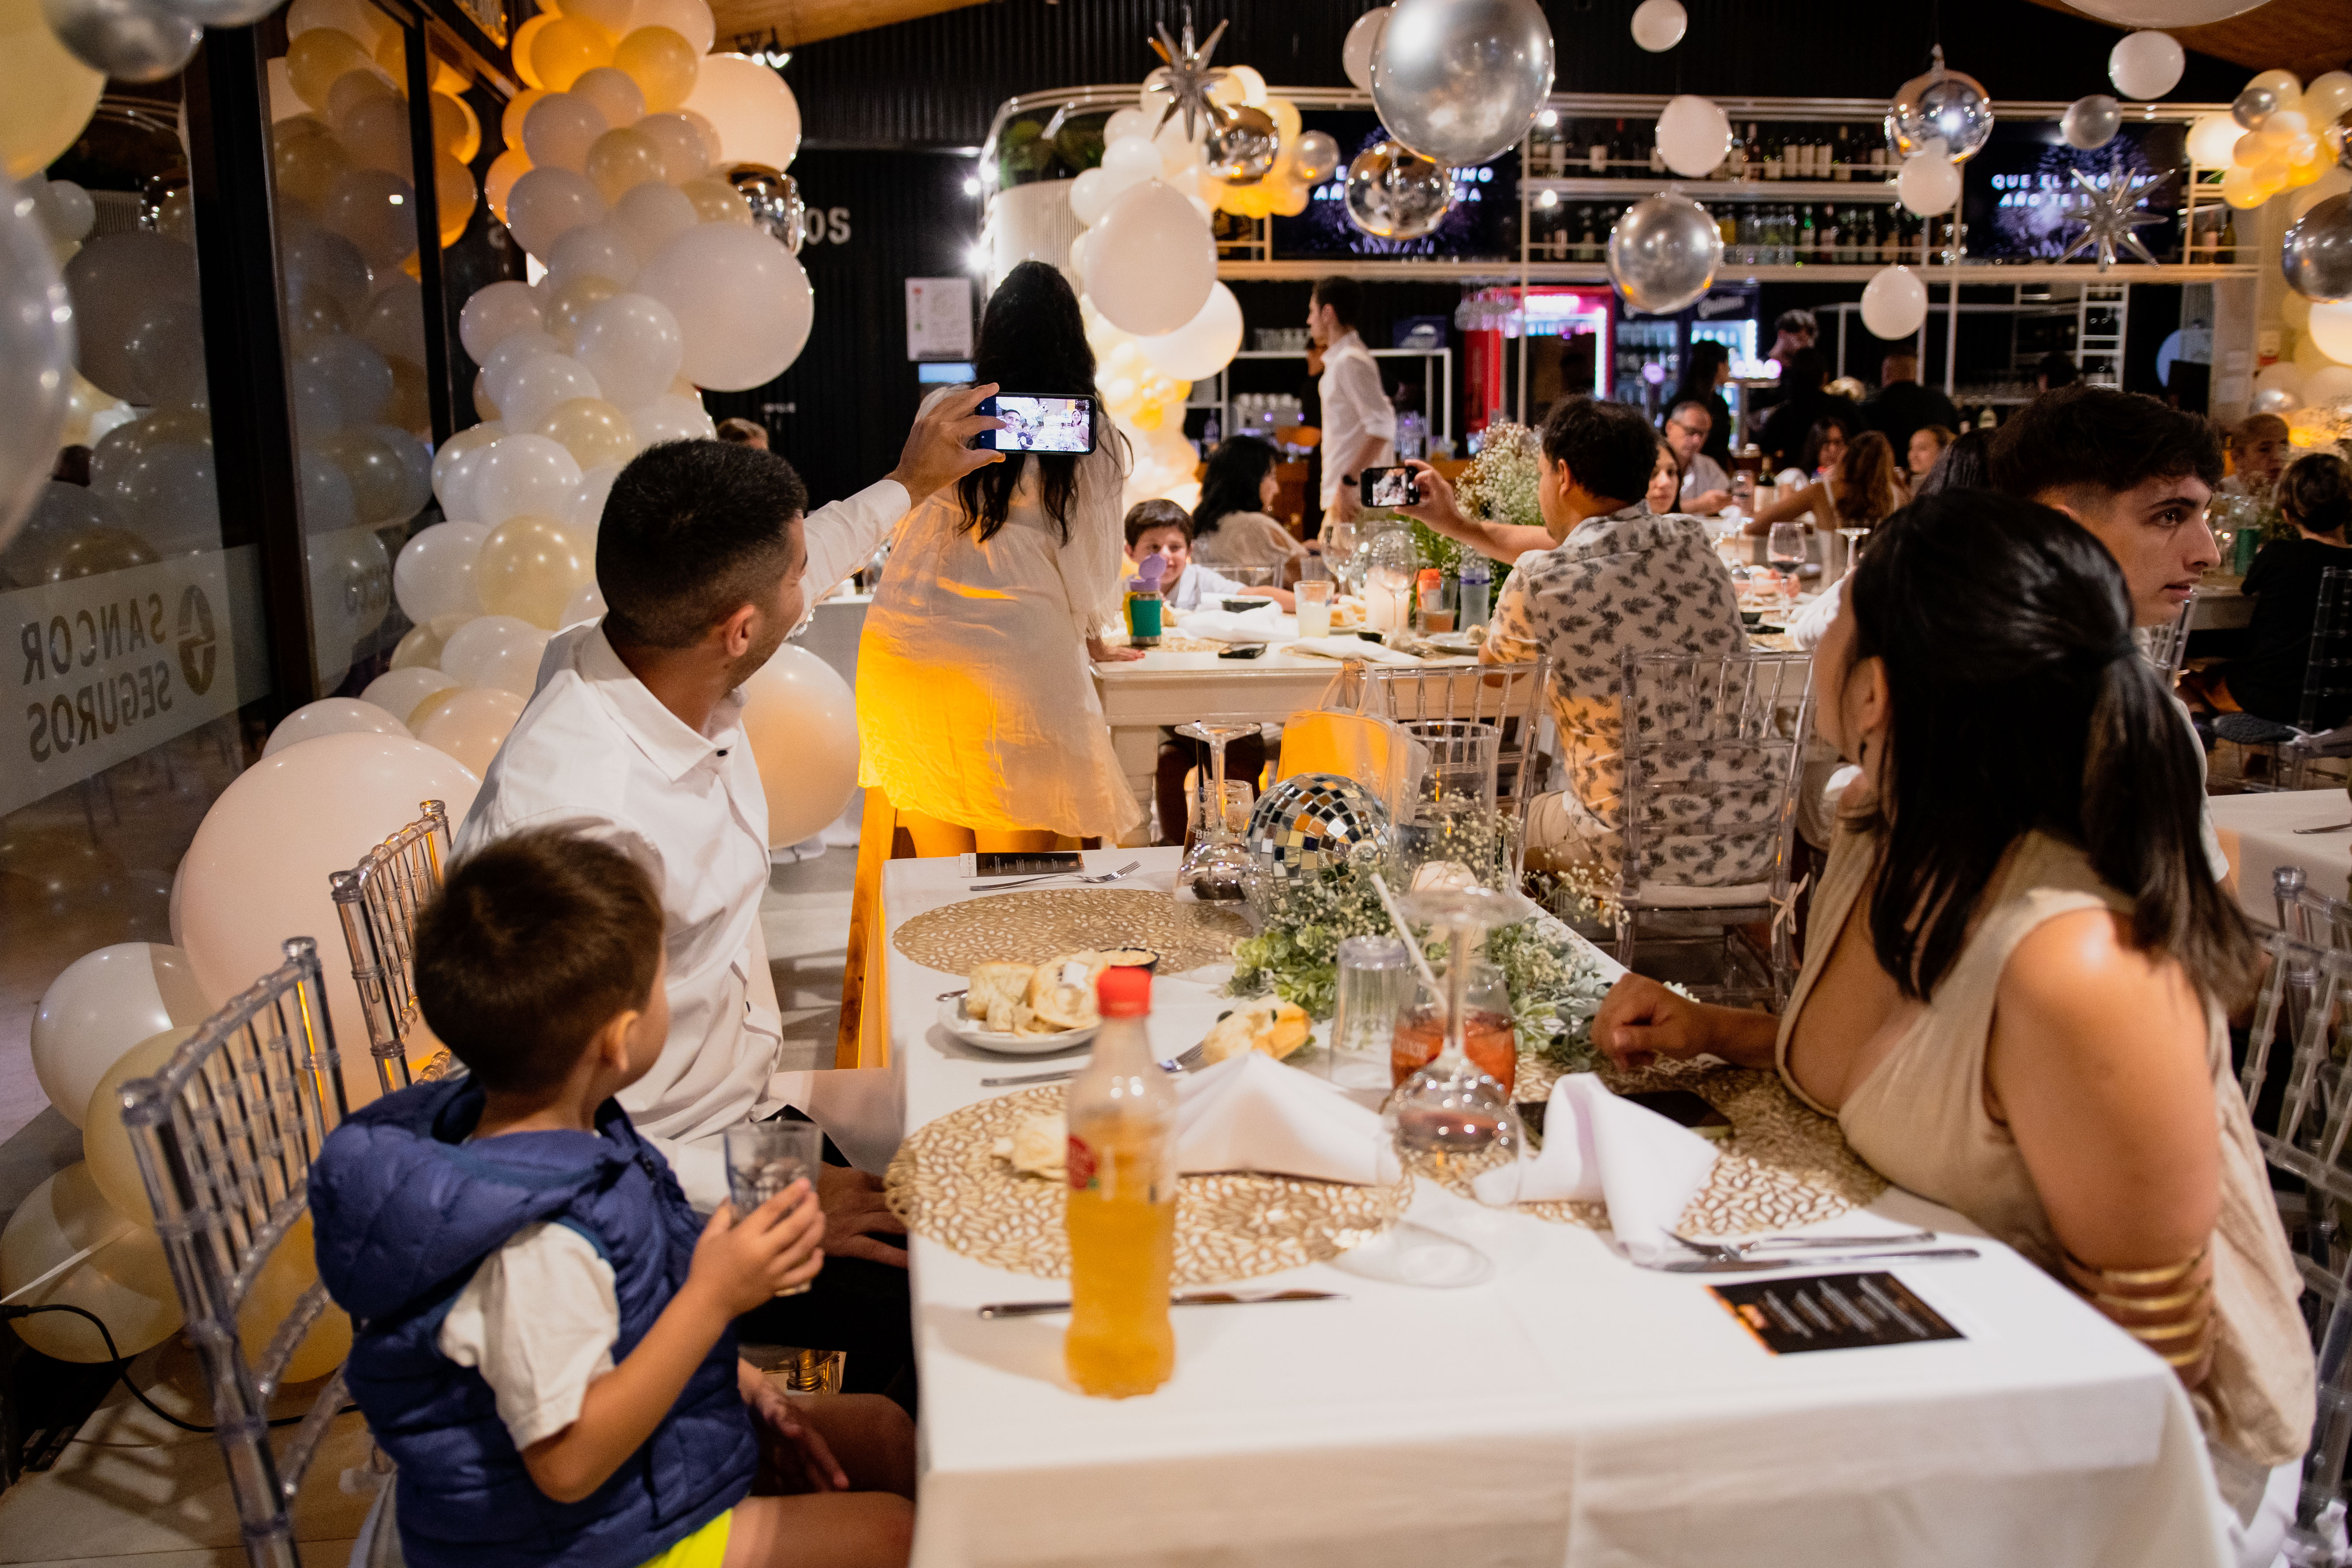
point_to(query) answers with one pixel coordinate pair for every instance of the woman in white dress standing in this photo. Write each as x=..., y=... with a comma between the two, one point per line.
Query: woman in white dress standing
x=976, y=716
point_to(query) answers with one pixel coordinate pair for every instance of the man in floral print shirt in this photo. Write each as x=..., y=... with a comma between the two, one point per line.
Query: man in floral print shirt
x=1617, y=580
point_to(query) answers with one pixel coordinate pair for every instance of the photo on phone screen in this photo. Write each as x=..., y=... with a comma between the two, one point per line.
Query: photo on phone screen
x=1389, y=486
x=1040, y=424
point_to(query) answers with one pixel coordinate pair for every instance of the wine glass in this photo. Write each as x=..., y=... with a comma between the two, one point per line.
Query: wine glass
x=1450, y=1120
x=1216, y=868
x=1785, y=549
x=1854, y=538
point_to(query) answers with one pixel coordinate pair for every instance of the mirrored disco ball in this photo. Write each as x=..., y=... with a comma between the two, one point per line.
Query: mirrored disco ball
x=1310, y=822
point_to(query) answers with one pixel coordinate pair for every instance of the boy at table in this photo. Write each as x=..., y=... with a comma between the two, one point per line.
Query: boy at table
x=500, y=1237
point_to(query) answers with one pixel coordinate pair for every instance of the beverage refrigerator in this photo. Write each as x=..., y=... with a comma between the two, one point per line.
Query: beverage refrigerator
x=1581, y=339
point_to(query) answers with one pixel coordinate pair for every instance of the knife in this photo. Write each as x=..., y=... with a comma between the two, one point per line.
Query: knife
x=1187, y=1298
x=1762, y=1265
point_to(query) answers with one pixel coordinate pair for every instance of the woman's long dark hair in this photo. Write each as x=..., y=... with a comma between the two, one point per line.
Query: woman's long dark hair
x=2019, y=702
x=1965, y=465
x=1236, y=468
x=1032, y=340
x=1698, y=376
x=1847, y=424
x=1865, y=479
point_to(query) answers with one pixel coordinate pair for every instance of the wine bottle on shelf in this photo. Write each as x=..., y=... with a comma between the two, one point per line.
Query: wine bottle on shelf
x=1589, y=245
x=1657, y=160
x=1825, y=235
x=1726, y=223
x=1807, y=236
x=1843, y=167
x=1751, y=155
x=1596, y=151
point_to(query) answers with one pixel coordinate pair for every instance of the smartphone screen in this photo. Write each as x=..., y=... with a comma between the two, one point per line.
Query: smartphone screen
x=1040, y=424
x=1389, y=486
x=1683, y=1108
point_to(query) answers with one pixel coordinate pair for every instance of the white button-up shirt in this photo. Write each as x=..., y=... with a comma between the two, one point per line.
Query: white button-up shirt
x=596, y=749
x=1354, y=406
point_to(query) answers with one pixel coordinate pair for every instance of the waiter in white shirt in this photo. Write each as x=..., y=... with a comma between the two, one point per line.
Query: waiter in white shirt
x=1358, y=423
x=635, y=732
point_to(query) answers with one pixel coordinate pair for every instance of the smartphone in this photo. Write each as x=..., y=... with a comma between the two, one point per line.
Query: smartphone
x=1244, y=650
x=1038, y=863
x=1683, y=1108
x=1036, y=423
x=1388, y=487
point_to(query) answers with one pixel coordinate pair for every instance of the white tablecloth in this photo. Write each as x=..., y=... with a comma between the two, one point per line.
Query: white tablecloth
x=2258, y=834
x=1574, y=1410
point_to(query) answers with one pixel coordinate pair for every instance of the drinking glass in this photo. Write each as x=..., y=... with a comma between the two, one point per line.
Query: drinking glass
x=1785, y=549
x=1216, y=868
x=1238, y=799
x=1453, y=1120
x=1489, y=1038
x=1340, y=541
x=1854, y=538
x=1250, y=576
x=1375, y=974
x=763, y=1158
x=1314, y=606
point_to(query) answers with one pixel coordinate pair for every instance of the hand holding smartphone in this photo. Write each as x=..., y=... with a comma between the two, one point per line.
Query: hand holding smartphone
x=1388, y=487
x=1034, y=423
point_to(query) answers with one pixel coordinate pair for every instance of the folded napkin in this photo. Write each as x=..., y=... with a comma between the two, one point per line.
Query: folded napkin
x=1249, y=1112
x=1262, y=624
x=1351, y=647
x=1599, y=1147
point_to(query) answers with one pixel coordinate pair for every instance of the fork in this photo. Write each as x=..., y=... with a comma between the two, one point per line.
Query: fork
x=1732, y=1251
x=1126, y=870
x=2331, y=828
x=1179, y=1064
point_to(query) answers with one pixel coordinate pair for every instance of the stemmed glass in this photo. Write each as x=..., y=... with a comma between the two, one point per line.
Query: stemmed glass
x=1785, y=549
x=1217, y=865
x=1854, y=538
x=1449, y=1121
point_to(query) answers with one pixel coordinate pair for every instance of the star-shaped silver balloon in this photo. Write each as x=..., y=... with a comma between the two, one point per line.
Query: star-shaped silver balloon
x=1187, y=77
x=2111, y=213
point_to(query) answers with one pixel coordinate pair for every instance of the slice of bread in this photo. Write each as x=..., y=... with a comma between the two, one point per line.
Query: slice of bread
x=1269, y=1026
x=996, y=992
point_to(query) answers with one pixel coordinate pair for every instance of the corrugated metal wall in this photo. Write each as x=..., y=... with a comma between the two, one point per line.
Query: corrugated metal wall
x=938, y=81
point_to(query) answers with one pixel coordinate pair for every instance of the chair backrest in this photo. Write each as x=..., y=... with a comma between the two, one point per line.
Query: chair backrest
x=1712, y=747
x=379, y=900
x=2327, y=678
x=2164, y=647
x=1510, y=696
x=224, y=1136
x=2308, y=915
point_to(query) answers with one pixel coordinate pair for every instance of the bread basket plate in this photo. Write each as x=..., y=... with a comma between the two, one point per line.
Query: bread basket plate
x=969, y=1031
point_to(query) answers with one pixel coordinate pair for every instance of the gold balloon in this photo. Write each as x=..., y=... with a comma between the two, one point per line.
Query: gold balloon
x=292, y=1269
x=567, y=48
x=105, y=1143
x=505, y=169
x=453, y=197
x=47, y=94
x=591, y=430
x=715, y=201
x=1285, y=115
x=519, y=49
x=84, y=397
x=94, y=553
x=379, y=482
x=530, y=567
x=307, y=165
x=421, y=647
x=315, y=58
x=569, y=306
x=620, y=161
x=456, y=130
x=411, y=408
x=510, y=122
x=431, y=705
x=127, y=1281
x=662, y=64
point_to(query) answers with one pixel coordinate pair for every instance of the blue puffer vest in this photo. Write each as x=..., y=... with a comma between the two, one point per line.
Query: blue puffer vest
x=406, y=1211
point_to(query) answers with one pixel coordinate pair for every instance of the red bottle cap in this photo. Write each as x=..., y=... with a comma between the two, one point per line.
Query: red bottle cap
x=1124, y=993
x=1430, y=577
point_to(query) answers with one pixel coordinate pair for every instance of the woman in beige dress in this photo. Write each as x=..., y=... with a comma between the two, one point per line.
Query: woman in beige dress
x=2019, y=966
x=1233, y=525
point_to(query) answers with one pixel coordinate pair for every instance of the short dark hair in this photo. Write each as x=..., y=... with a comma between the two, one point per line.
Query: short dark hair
x=692, y=530
x=2058, y=369
x=1966, y=464
x=1347, y=300
x=534, y=943
x=1608, y=448
x=2317, y=492
x=1798, y=321
x=1898, y=357
x=2096, y=438
x=1146, y=515
x=743, y=432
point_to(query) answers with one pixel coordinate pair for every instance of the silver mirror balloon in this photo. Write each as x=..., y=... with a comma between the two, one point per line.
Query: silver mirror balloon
x=1662, y=254
x=2252, y=107
x=36, y=356
x=2316, y=254
x=775, y=202
x=2090, y=124
x=1946, y=103
x=1316, y=157
x=130, y=40
x=1242, y=145
x=1394, y=193
x=1460, y=81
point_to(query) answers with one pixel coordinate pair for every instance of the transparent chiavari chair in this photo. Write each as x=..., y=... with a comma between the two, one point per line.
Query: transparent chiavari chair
x=2164, y=647
x=1507, y=696
x=224, y=1136
x=379, y=900
x=1712, y=750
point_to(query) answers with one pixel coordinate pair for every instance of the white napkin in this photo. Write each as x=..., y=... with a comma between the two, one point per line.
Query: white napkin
x=1249, y=1112
x=1264, y=624
x=1599, y=1146
x=1351, y=647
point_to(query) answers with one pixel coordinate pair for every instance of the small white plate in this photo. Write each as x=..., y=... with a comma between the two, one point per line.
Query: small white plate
x=969, y=1031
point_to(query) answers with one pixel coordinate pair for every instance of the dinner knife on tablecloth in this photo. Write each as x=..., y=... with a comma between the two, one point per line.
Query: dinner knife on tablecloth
x=1185, y=1298
x=1782, y=1261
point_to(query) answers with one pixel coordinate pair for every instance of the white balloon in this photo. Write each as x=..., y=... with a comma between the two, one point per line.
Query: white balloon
x=1131, y=159
x=670, y=419
x=2328, y=386
x=523, y=475
x=2145, y=65
x=649, y=218
x=1659, y=25
x=690, y=19
x=558, y=131
x=632, y=345
x=757, y=120
x=2284, y=377
x=1202, y=346
x=743, y=305
x=67, y=210
x=435, y=573
x=331, y=716
x=454, y=465
x=1150, y=265
x=2336, y=182
x=683, y=157
x=1929, y=183
x=400, y=692
x=546, y=204
x=103, y=1004
x=494, y=314
x=1078, y=248
x=2166, y=13
x=1090, y=192
x=1125, y=122
x=1894, y=302
x=496, y=650
x=2212, y=138
x=2331, y=329
x=1362, y=42
x=1693, y=133
x=541, y=383
x=592, y=250
x=509, y=357
x=587, y=510
x=800, y=720
x=613, y=92
x=587, y=604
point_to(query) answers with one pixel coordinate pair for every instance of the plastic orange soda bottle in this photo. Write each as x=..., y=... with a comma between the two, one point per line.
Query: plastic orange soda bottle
x=1122, y=1209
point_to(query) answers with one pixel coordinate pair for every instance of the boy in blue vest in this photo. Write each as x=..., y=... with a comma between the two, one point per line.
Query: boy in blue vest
x=542, y=1324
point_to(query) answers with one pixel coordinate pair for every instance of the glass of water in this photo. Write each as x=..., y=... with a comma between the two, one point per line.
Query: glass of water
x=1375, y=976
x=763, y=1158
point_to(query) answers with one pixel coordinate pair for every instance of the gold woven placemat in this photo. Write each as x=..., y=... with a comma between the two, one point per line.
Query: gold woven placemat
x=947, y=1183
x=1029, y=928
x=1782, y=1167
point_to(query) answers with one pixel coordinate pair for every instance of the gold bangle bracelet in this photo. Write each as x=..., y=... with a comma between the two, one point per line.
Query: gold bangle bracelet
x=2152, y=1303
x=2170, y=1273
x=2156, y=1334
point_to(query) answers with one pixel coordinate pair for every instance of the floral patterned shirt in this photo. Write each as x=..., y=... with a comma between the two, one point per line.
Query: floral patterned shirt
x=1626, y=583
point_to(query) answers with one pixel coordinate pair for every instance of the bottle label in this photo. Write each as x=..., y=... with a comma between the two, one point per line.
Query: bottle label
x=1084, y=1172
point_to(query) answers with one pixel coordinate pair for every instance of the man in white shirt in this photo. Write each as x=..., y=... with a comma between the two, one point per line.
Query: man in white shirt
x=1358, y=423
x=1707, y=489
